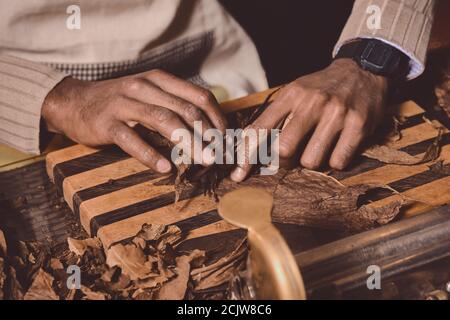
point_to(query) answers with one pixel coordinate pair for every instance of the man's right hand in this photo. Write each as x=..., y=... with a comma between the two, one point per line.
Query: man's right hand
x=101, y=113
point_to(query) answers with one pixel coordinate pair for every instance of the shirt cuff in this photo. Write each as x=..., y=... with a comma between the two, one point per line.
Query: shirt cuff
x=404, y=26
x=24, y=85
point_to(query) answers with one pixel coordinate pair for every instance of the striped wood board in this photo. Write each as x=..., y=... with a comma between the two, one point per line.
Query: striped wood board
x=114, y=195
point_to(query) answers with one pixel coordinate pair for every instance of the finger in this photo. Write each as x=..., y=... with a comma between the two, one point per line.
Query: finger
x=322, y=139
x=294, y=132
x=351, y=138
x=268, y=120
x=130, y=142
x=170, y=126
x=196, y=95
x=146, y=92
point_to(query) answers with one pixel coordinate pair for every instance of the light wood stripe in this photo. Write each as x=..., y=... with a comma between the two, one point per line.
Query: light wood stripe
x=166, y=215
x=119, y=199
x=433, y=194
x=246, y=102
x=213, y=228
x=396, y=172
x=66, y=154
x=124, y=168
x=426, y=132
x=408, y=109
x=97, y=176
x=186, y=209
x=416, y=134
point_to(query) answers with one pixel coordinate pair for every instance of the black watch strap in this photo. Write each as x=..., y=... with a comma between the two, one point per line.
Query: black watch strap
x=377, y=57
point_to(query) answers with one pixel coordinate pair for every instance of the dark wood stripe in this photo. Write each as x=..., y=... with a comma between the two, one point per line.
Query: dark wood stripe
x=198, y=221
x=131, y=180
x=216, y=245
x=114, y=154
x=166, y=199
x=408, y=183
x=440, y=116
x=363, y=164
x=138, y=208
x=92, y=161
x=111, y=186
x=192, y=223
x=412, y=121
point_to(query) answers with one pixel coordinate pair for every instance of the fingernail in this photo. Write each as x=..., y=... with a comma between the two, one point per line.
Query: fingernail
x=238, y=175
x=163, y=166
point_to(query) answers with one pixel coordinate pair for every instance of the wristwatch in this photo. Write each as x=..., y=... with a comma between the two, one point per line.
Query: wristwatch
x=377, y=57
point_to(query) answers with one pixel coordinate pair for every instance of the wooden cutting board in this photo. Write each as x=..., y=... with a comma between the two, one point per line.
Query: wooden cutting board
x=114, y=195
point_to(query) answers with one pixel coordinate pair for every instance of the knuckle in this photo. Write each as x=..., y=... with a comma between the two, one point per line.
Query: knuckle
x=205, y=97
x=118, y=135
x=157, y=72
x=359, y=123
x=148, y=155
x=321, y=95
x=192, y=113
x=294, y=89
x=161, y=115
x=133, y=85
x=337, y=112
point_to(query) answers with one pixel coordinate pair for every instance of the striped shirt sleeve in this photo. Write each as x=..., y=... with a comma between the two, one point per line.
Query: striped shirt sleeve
x=405, y=24
x=23, y=88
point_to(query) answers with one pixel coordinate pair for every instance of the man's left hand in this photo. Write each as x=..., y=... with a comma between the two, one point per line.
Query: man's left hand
x=340, y=106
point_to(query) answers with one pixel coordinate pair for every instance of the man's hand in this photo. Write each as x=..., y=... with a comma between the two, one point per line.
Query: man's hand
x=339, y=106
x=101, y=113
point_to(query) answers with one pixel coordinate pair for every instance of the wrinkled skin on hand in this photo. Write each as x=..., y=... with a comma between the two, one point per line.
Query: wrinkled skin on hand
x=338, y=107
x=102, y=113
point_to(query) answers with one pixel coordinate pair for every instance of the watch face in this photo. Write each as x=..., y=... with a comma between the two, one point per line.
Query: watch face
x=376, y=56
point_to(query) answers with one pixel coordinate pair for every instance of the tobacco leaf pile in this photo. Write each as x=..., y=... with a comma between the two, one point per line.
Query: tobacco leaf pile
x=442, y=90
x=148, y=266
x=313, y=198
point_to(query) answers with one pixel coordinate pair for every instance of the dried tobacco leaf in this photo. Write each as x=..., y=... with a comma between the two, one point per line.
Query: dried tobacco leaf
x=56, y=264
x=221, y=276
x=88, y=294
x=15, y=290
x=2, y=277
x=175, y=289
x=70, y=295
x=150, y=232
x=220, y=271
x=396, y=134
x=142, y=294
x=41, y=288
x=3, y=247
x=79, y=247
x=123, y=282
x=130, y=259
x=170, y=237
x=151, y=282
x=442, y=90
x=389, y=155
x=312, y=198
x=440, y=168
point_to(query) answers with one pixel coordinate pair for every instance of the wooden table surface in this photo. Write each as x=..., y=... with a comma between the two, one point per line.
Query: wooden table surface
x=114, y=195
